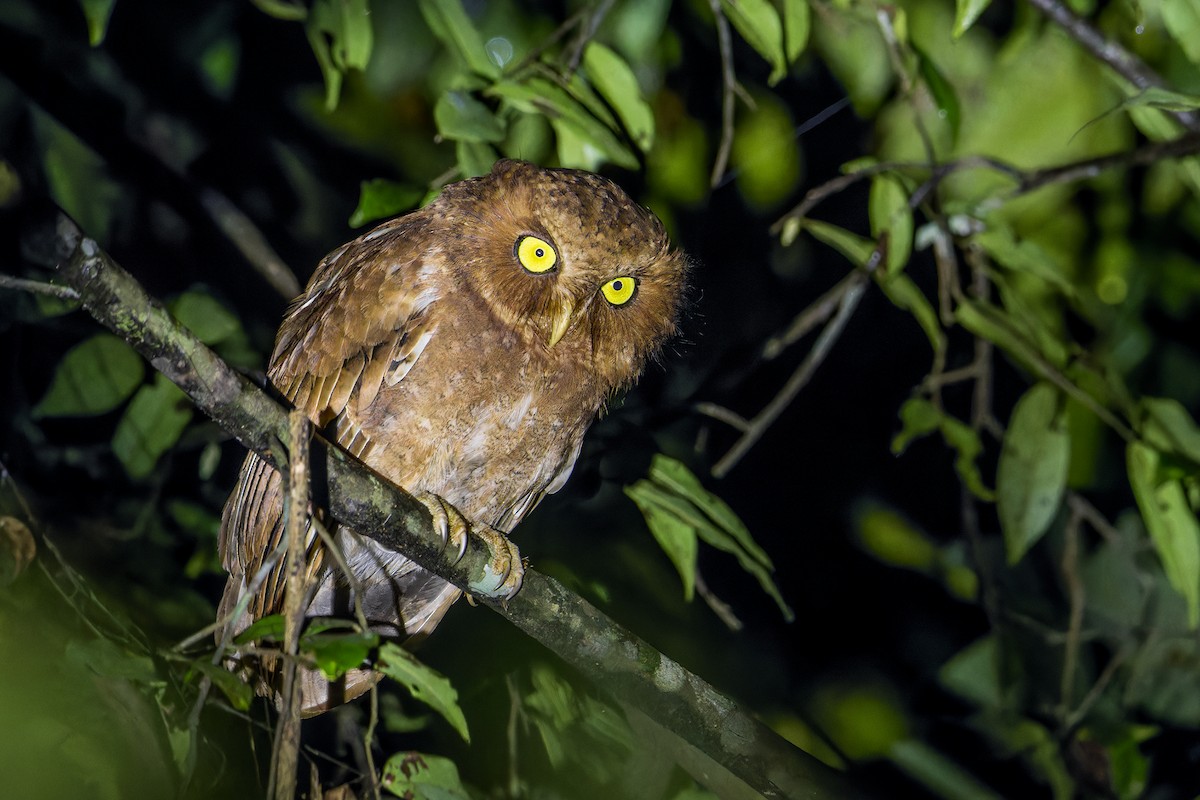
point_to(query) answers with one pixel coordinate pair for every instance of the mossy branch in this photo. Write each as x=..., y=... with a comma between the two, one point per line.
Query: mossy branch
x=749, y=758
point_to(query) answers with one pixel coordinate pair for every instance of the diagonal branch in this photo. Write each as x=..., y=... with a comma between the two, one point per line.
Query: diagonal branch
x=633, y=672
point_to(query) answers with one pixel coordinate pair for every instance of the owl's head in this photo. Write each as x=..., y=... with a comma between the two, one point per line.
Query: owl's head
x=570, y=262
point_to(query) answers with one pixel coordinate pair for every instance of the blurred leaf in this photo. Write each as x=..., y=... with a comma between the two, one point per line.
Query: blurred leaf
x=460, y=116
x=380, y=198
x=942, y=92
x=450, y=23
x=106, y=658
x=340, y=34
x=200, y=313
x=936, y=772
x=1182, y=20
x=854, y=247
x=849, y=41
x=97, y=13
x=765, y=158
x=1170, y=522
x=907, y=296
x=420, y=776
x=758, y=23
x=577, y=730
x=94, y=377
x=1162, y=98
x=150, y=426
x=797, y=24
x=337, y=653
x=863, y=720
x=895, y=541
x=78, y=179
x=889, y=213
x=990, y=323
x=965, y=14
x=973, y=674
x=475, y=158
x=424, y=684
x=673, y=491
x=1170, y=428
x=616, y=82
x=1024, y=256
x=282, y=9
x=1032, y=474
x=239, y=693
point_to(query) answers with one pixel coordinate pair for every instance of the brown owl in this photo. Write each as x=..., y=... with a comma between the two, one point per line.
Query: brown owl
x=461, y=352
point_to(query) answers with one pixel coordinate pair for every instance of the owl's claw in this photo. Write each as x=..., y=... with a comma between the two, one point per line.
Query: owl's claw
x=504, y=571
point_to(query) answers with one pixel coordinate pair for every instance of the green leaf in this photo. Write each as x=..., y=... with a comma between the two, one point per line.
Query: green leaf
x=942, y=92
x=674, y=536
x=974, y=674
x=990, y=323
x=461, y=117
x=617, y=84
x=1032, y=474
x=380, y=198
x=337, y=653
x=921, y=418
x=1170, y=428
x=104, y=657
x=200, y=313
x=539, y=96
x=97, y=13
x=758, y=23
x=1162, y=99
x=94, y=377
x=936, y=772
x=854, y=247
x=423, y=683
x=150, y=426
x=1182, y=20
x=341, y=38
x=239, y=693
x=1170, y=522
x=889, y=213
x=451, y=24
x=966, y=12
x=475, y=158
x=1023, y=256
x=797, y=24
x=905, y=294
x=266, y=629
x=673, y=491
x=420, y=776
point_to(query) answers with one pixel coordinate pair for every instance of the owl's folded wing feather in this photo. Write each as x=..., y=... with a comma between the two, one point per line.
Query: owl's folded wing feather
x=330, y=360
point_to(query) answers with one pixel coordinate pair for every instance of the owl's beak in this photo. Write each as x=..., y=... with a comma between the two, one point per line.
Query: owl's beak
x=562, y=321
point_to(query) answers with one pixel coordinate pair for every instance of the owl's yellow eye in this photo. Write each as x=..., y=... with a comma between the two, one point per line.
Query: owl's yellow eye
x=536, y=255
x=618, y=291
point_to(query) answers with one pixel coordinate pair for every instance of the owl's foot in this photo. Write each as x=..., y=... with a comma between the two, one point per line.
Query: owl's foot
x=504, y=570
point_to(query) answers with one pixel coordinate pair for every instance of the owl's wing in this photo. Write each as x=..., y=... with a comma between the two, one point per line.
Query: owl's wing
x=362, y=322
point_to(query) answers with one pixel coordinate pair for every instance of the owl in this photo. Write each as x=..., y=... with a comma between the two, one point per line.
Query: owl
x=461, y=352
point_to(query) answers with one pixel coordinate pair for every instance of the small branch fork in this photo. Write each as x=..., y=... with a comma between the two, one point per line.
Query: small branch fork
x=618, y=662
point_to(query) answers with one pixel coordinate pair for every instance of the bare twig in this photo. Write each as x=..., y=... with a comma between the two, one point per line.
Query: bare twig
x=286, y=752
x=722, y=414
x=817, y=312
x=729, y=87
x=587, y=30
x=1076, y=599
x=38, y=287
x=250, y=242
x=1123, y=62
x=1082, y=506
x=719, y=607
x=800, y=378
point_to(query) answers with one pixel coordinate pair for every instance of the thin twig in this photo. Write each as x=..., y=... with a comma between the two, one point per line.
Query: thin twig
x=729, y=87
x=1075, y=599
x=817, y=312
x=285, y=756
x=591, y=23
x=722, y=414
x=250, y=242
x=38, y=287
x=723, y=610
x=1123, y=62
x=1089, y=700
x=1082, y=506
x=800, y=378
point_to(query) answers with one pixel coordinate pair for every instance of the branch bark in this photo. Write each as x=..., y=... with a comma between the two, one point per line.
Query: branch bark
x=619, y=663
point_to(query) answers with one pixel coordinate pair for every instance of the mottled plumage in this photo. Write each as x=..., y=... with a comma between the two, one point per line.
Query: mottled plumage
x=461, y=351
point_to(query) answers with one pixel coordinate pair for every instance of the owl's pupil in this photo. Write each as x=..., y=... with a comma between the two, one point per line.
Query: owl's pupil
x=540, y=253
x=616, y=286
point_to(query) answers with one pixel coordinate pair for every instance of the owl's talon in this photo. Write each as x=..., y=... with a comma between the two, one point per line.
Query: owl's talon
x=447, y=521
x=504, y=571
